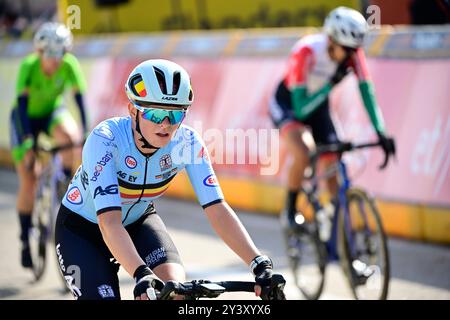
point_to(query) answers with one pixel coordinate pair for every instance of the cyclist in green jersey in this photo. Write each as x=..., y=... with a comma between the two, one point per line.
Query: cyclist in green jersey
x=43, y=78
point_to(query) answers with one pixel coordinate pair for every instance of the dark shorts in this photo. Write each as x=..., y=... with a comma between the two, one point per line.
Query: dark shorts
x=37, y=125
x=86, y=262
x=319, y=121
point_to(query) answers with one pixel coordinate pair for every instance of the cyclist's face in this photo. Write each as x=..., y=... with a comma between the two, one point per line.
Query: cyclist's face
x=336, y=52
x=50, y=64
x=158, y=135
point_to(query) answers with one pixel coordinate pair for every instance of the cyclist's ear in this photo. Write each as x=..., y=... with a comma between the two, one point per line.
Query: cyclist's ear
x=131, y=110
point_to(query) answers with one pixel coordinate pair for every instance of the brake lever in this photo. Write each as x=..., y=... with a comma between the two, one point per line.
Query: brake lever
x=168, y=291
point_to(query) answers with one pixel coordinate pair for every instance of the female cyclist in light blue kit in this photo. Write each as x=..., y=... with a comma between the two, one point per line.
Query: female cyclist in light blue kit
x=107, y=216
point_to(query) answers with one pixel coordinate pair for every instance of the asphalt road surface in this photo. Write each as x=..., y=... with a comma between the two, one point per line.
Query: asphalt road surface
x=419, y=270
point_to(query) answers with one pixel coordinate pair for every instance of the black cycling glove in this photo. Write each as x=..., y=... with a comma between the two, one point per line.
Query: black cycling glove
x=261, y=266
x=146, y=282
x=387, y=144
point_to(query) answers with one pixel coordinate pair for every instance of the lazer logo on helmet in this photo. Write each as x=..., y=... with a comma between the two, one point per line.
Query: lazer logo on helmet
x=169, y=98
x=100, y=164
x=111, y=189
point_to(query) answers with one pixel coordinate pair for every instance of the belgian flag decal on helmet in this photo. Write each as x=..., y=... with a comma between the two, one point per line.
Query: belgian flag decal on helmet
x=139, y=86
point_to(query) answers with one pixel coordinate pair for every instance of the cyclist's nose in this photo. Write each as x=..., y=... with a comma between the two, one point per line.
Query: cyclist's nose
x=165, y=123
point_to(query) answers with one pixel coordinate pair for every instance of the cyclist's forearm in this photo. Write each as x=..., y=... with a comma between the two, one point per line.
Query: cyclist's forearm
x=22, y=105
x=305, y=104
x=118, y=241
x=368, y=97
x=80, y=103
x=230, y=229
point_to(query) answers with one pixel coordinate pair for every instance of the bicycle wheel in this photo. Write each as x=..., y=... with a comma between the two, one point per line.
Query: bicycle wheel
x=363, y=247
x=39, y=232
x=307, y=255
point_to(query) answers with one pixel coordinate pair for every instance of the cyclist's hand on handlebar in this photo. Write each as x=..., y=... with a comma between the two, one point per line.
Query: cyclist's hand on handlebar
x=147, y=283
x=29, y=159
x=261, y=267
x=388, y=146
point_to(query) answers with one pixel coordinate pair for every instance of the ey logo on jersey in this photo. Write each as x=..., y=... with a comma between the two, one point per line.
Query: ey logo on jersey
x=74, y=196
x=210, y=181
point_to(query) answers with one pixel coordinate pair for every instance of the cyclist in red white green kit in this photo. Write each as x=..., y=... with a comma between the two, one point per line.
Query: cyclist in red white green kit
x=300, y=108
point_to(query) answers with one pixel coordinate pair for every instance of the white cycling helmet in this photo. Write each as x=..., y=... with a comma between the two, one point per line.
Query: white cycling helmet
x=346, y=26
x=53, y=39
x=159, y=82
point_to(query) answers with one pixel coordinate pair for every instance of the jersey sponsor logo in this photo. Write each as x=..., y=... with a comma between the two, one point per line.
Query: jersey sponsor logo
x=165, y=162
x=124, y=175
x=110, y=144
x=130, y=162
x=211, y=181
x=74, y=196
x=60, y=258
x=100, y=164
x=111, y=189
x=188, y=136
x=84, y=179
x=166, y=175
x=104, y=132
x=156, y=256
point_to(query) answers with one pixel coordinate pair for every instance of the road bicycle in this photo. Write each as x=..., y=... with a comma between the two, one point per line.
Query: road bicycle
x=51, y=186
x=355, y=234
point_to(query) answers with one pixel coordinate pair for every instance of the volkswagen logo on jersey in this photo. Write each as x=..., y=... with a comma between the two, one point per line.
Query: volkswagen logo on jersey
x=130, y=162
x=165, y=162
x=104, y=132
x=210, y=181
x=74, y=196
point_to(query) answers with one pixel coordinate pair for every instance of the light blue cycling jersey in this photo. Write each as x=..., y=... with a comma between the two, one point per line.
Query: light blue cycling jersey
x=115, y=175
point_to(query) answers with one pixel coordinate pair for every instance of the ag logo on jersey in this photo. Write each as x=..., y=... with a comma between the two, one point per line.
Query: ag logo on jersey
x=130, y=162
x=211, y=181
x=111, y=189
x=74, y=196
x=104, y=132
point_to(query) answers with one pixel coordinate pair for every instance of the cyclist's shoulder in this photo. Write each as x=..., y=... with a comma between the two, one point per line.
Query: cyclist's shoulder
x=29, y=61
x=69, y=60
x=112, y=129
x=312, y=43
x=187, y=134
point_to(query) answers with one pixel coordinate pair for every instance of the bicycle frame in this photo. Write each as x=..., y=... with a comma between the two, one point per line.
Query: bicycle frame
x=344, y=185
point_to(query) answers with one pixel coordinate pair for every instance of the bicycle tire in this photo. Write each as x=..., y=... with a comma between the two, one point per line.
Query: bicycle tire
x=373, y=226
x=39, y=233
x=301, y=247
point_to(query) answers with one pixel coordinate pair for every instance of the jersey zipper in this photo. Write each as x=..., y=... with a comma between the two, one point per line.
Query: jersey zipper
x=143, y=189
